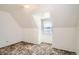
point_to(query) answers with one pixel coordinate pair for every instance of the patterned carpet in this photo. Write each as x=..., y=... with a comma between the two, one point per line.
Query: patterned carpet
x=24, y=48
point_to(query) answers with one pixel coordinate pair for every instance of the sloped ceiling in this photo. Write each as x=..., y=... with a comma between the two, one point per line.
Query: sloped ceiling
x=61, y=15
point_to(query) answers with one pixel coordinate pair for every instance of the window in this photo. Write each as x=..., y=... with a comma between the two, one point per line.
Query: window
x=46, y=26
x=44, y=22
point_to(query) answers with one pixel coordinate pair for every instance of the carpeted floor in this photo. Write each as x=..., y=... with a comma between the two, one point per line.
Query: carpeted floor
x=24, y=48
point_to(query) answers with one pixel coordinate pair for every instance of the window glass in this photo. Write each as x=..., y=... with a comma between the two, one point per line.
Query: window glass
x=47, y=26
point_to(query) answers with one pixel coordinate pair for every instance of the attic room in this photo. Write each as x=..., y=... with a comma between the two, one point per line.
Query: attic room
x=39, y=29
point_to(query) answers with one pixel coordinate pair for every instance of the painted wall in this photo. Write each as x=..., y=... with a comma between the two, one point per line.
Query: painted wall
x=10, y=32
x=64, y=38
x=30, y=35
x=42, y=37
x=77, y=43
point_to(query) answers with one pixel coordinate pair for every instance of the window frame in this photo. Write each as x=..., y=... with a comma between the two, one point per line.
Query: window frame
x=42, y=26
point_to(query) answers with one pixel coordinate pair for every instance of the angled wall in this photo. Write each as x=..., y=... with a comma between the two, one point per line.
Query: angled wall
x=64, y=31
x=10, y=31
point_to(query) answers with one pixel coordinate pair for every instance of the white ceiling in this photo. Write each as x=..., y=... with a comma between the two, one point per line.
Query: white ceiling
x=61, y=15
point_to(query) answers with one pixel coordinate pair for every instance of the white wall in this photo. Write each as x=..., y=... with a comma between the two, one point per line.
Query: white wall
x=42, y=37
x=30, y=35
x=77, y=43
x=10, y=32
x=64, y=38
x=77, y=47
